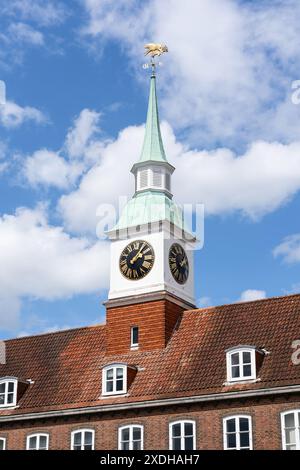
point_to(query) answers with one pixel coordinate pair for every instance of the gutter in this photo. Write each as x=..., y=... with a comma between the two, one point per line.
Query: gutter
x=152, y=403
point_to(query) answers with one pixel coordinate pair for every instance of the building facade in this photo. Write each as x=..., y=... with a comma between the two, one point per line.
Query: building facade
x=160, y=373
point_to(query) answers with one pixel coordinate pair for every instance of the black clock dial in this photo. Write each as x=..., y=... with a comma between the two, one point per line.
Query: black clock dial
x=179, y=263
x=136, y=260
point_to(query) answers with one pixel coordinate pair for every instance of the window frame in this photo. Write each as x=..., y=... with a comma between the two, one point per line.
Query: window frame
x=240, y=350
x=82, y=431
x=38, y=435
x=132, y=344
x=237, y=432
x=283, y=414
x=130, y=427
x=3, y=439
x=182, y=422
x=6, y=381
x=114, y=366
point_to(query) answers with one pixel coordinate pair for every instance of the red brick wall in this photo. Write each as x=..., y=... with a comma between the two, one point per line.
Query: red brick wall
x=265, y=415
x=155, y=319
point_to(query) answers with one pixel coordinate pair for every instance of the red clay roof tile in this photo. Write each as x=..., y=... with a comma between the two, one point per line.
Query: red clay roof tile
x=66, y=366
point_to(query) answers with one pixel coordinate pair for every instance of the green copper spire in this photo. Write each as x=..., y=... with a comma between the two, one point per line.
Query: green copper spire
x=153, y=148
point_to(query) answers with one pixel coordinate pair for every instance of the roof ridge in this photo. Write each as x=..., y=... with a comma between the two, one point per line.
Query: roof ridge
x=87, y=327
x=245, y=302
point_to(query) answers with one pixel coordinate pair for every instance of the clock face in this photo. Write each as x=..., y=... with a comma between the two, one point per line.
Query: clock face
x=136, y=260
x=179, y=263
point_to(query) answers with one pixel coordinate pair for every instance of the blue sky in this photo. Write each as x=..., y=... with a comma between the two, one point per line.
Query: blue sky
x=73, y=125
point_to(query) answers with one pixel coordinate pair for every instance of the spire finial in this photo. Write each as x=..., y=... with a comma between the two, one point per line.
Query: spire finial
x=154, y=50
x=153, y=149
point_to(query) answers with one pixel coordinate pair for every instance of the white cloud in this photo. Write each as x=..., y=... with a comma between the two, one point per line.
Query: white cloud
x=45, y=13
x=81, y=135
x=252, y=294
x=50, y=169
x=27, y=23
x=289, y=249
x=13, y=115
x=227, y=77
x=22, y=32
x=103, y=183
x=63, y=167
x=253, y=184
x=40, y=261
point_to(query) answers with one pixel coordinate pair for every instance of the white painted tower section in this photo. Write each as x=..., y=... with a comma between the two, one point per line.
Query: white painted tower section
x=152, y=181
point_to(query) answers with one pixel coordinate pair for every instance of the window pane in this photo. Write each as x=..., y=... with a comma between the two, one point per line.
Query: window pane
x=119, y=373
x=235, y=359
x=109, y=386
x=10, y=398
x=290, y=420
x=235, y=371
x=77, y=439
x=136, y=434
x=231, y=425
x=88, y=438
x=43, y=442
x=247, y=371
x=125, y=434
x=176, y=430
x=2, y=388
x=2, y=442
x=246, y=357
x=244, y=439
x=125, y=446
x=290, y=436
x=33, y=443
x=244, y=424
x=188, y=443
x=1, y=399
x=135, y=335
x=231, y=441
x=176, y=443
x=119, y=385
x=188, y=429
x=137, y=445
x=109, y=374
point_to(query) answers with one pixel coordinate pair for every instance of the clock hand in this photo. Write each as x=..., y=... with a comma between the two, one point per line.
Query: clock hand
x=183, y=262
x=138, y=255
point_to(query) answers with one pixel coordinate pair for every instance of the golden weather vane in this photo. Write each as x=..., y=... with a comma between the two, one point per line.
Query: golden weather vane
x=154, y=50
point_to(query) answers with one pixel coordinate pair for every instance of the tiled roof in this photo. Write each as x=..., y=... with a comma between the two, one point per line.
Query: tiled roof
x=66, y=366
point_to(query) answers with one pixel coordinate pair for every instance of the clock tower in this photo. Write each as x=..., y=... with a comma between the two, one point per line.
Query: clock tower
x=152, y=262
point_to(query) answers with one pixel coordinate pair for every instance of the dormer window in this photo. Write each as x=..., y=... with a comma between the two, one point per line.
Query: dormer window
x=8, y=392
x=241, y=364
x=114, y=379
